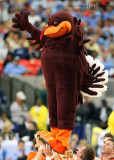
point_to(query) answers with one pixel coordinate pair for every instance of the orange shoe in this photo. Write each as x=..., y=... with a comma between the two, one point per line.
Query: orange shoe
x=54, y=131
x=63, y=136
x=47, y=137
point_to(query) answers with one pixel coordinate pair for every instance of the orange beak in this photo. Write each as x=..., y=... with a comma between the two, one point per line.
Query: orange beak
x=57, y=31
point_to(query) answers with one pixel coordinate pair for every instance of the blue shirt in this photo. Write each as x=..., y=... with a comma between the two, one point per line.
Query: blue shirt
x=16, y=154
x=108, y=65
x=92, y=21
x=14, y=70
x=108, y=15
x=3, y=154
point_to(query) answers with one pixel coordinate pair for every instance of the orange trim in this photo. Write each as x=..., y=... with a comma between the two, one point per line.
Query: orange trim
x=64, y=136
x=31, y=155
x=54, y=131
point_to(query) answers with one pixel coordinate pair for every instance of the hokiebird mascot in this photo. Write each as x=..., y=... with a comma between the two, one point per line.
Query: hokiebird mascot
x=69, y=73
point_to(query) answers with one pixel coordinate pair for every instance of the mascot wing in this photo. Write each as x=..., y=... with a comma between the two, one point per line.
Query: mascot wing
x=94, y=82
x=22, y=23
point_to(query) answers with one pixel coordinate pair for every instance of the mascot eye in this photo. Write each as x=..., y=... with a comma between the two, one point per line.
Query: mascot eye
x=55, y=23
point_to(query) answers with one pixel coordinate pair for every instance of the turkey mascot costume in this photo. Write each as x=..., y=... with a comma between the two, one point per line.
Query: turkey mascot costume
x=69, y=73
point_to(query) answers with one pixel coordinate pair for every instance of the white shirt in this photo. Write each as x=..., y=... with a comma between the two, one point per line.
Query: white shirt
x=33, y=19
x=18, y=114
x=103, y=114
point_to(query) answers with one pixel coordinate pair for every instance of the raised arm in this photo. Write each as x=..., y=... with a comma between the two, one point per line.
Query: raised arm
x=77, y=32
x=22, y=23
x=78, y=35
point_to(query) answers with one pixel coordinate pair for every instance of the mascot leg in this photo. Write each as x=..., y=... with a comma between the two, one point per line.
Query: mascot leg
x=50, y=137
x=66, y=111
x=62, y=117
x=52, y=104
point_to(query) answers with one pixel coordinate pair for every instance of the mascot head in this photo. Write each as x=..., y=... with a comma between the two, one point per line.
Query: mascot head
x=58, y=25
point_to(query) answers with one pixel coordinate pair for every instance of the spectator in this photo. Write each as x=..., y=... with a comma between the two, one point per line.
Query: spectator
x=86, y=153
x=13, y=39
x=16, y=5
x=92, y=20
x=74, y=137
x=94, y=54
x=35, y=4
x=6, y=132
x=81, y=114
x=3, y=12
x=40, y=72
x=33, y=18
x=98, y=133
x=87, y=112
x=4, y=155
x=108, y=147
x=14, y=68
x=73, y=145
x=39, y=153
x=25, y=41
x=26, y=7
x=21, y=52
x=81, y=15
x=4, y=51
x=107, y=63
x=18, y=109
x=27, y=129
x=32, y=128
x=11, y=12
x=111, y=123
x=40, y=11
x=47, y=14
x=3, y=99
x=19, y=152
x=103, y=113
x=112, y=26
x=102, y=49
x=8, y=59
x=39, y=114
x=43, y=93
x=91, y=111
x=92, y=46
x=43, y=152
x=109, y=12
x=111, y=54
x=106, y=31
x=111, y=41
x=23, y=128
x=82, y=143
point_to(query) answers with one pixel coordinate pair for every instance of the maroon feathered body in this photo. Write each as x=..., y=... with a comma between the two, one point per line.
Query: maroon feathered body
x=64, y=67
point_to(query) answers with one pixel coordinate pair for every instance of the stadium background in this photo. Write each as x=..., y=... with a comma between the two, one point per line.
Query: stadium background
x=98, y=25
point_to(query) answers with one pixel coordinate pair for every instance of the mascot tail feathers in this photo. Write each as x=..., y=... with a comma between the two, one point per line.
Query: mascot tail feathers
x=94, y=82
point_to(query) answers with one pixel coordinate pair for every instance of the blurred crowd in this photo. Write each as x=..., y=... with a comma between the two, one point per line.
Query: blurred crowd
x=16, y=53
x=97, y=24
x=20, y=124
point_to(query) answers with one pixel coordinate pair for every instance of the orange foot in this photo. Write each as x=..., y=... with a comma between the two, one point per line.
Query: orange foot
x=47, y=138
